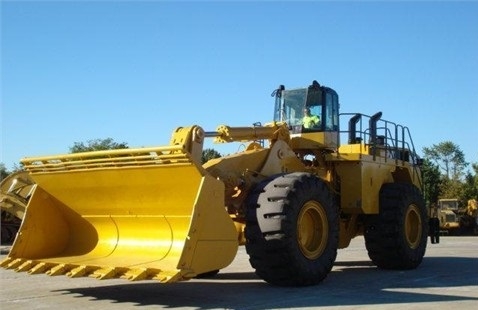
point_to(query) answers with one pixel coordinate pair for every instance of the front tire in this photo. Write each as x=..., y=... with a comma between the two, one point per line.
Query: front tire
x=292, y=230
x=396, y=238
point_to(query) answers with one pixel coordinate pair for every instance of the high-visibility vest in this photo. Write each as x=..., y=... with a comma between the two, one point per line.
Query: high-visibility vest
x=310, y=121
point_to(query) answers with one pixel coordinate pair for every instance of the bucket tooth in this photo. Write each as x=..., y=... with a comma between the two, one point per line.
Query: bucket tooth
x=136, y=274
x=166, y=277
x=27, y=265
x=107, y=273
x=139, y=274
x=14, y=263
x=60, y=269
x=4, y=263
x=40, y=268
x=81, y=271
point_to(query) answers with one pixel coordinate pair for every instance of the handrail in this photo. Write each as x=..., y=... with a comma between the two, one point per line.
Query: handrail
x=396, y=138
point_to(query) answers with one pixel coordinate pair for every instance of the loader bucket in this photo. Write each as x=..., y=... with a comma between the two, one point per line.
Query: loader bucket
x=136, y=214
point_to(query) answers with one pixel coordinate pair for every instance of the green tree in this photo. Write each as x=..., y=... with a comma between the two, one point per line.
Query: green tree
x=450, y=188
x=449, y=158
x=208, y=154
x=470, y=186
x=474, y=166
x=470, y=190
x=431, y=181
x=3, y=171
x=97, y=145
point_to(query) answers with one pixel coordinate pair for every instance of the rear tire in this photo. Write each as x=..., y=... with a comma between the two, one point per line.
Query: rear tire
x=292, y=230
x=396, y=238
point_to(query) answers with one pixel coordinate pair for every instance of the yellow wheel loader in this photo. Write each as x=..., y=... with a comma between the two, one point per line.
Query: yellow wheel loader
x=447, y=214
x=469, y=219
x=456, y=220
x=293, y=197
x=15, y=191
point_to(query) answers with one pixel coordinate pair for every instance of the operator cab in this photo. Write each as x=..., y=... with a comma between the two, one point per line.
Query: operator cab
x=293, y=107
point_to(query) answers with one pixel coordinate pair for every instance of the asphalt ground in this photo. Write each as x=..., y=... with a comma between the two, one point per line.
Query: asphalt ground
x=447, y=277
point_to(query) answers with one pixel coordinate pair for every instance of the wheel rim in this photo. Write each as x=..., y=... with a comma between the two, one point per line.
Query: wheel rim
x=312, y=230
x=413, y=226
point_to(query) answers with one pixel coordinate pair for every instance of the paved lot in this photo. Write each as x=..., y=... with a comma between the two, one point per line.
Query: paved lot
x=448, y=277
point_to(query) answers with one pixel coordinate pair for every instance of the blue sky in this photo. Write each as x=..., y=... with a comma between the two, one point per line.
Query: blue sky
x=134, y=71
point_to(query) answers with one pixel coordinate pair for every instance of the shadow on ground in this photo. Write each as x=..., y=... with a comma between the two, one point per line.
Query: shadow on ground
x=350, y=283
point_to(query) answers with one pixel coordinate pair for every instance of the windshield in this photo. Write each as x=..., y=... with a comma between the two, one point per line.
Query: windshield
x=299, y=107
x=308, y=109
x=293, y=105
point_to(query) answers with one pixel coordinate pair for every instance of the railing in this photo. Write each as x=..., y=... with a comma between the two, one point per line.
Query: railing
x=381, y=135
